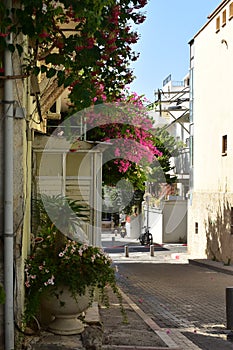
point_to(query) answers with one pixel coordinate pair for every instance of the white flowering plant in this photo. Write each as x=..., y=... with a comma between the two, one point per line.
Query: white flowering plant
x=55, y=262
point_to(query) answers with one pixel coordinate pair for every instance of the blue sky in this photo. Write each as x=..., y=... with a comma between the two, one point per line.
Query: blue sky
x=163, y=43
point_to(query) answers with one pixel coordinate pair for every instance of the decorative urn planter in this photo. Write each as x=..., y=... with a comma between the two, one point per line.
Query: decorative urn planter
x=64, y=311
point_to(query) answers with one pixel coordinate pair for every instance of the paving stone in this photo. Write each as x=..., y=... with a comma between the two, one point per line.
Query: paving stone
x=179, y=307
x=180, y=298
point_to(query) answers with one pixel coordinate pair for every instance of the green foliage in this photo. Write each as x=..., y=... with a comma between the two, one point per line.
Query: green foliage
x=127, y=126
x=66, y=214
x=96, y=48
x=162, y=166
x=157, y=172
x=135, y=175
x=71, y=263
x=56, y=260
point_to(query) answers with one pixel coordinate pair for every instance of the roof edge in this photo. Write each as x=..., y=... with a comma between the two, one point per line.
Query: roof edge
x=218, y=8
x=210, y=17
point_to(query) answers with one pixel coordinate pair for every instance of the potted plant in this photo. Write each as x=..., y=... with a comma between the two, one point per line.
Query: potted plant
x=58, y=263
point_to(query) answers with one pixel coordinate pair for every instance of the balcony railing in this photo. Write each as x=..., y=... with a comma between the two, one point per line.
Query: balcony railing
x=177, y=83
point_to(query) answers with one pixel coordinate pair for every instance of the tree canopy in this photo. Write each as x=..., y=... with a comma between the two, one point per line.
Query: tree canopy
x=137, y=151
x=86, y=44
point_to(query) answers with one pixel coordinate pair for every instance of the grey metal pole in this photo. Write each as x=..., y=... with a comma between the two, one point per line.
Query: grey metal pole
x=152, y=250
x=8, y=198
x=229, y=307
x=126, y=248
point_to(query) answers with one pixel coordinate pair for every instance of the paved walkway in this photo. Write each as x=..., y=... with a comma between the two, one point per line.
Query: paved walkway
x=166, y=253
x=173, y=303
x=183, y=300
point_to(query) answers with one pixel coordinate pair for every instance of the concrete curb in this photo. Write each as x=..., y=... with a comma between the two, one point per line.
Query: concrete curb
x=92, y=315
x=213, y=265
x=171, y=345
x=126, y=347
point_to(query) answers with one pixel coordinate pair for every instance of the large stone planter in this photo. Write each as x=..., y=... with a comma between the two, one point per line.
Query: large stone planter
x=64, y=311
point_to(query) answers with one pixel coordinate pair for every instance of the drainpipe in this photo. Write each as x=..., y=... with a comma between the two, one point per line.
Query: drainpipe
x=8, y=199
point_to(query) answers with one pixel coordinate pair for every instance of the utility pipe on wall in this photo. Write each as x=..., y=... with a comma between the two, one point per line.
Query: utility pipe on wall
x=8, y=198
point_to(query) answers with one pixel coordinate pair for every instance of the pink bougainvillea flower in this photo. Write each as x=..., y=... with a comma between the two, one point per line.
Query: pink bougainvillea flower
x=27, y=284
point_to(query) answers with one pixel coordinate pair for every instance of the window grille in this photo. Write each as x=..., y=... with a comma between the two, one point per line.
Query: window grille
x=224, y=145
x=224, y=17
x=217, y=24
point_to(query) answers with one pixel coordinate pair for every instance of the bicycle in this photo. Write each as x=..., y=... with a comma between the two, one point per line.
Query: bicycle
x=146, y=238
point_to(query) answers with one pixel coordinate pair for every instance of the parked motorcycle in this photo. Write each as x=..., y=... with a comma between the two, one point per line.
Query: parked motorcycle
x=123, y=230
x=146, y=237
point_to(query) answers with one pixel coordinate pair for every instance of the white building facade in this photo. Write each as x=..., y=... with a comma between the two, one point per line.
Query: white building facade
x=173, y=109
x=167, y=216
x=210, y=207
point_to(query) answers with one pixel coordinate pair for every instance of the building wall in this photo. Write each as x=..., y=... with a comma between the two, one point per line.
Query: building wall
x=21, y=192
x=1, y=212
x=175, y=221
x=209, y=234
x=212, y=195
x=74, y=173
x=24, y=125
x=173, y=110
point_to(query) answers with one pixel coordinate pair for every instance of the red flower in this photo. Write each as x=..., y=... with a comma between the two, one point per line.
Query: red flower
x=105, y=57
x=90, y=43
x=44, y=34
x=79, y=48
x=100, y=63
x=4, y=35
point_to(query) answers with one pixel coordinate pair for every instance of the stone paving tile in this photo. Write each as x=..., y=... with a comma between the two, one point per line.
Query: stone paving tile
x=183, y=342
x=48, y=341
x=193, y=314
x=206, y=341
x=134, y=333
x=188, y=301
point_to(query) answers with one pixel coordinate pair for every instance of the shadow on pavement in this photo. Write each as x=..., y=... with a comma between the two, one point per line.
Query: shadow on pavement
x=208, y=342
x=132, y=248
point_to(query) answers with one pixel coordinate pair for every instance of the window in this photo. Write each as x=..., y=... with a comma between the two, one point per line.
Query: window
x=231, y=221
x=224, y=145
x=217, y=24
x=231, y=10
x=196, y=227
x=224, y=17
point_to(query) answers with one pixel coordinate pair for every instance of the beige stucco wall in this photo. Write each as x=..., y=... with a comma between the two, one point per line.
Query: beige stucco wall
x=175, y=221
x=212, y=195
x=213, y=239
x=21, y=172
x=213, y=111
x=21, y=192
x=21, y=175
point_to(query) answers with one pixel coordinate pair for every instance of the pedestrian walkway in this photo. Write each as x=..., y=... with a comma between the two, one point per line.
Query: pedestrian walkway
x=166, y=253
x=186, y=301
x=154, y=323
x=185, y=334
